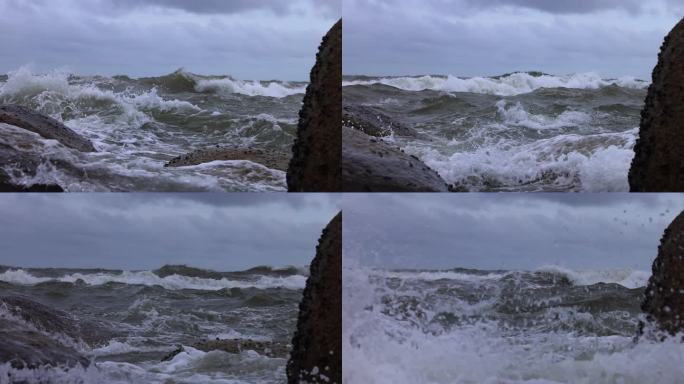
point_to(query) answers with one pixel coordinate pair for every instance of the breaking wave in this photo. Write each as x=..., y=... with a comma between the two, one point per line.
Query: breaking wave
x=505, y=85
x=149, y=278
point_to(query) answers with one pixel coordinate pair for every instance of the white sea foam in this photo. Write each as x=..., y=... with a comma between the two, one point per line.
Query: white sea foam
x=172, y=282
x=249, y=88
x=573, y=160
x=378, y=348
x=52, y=86
x=514, y=84
x=514, y=115
x=628, y=278
x=439, y=275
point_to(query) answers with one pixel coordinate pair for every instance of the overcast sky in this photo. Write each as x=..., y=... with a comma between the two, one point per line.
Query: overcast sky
x=249, y=39
x=507, y=231
x=145, y=231
x=491, y=37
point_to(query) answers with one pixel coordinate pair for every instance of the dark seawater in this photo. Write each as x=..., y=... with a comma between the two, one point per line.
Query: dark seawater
x=137, y=125
x=466, y=326
x=141, y=316
x=516, y=132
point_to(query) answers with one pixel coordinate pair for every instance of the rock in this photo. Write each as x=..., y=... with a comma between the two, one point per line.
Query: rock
x=664, y=296
x=31, y=335
x=172, y=354
x=657, y=165
x=47, y=127
x=315, y=164
x=372, y=165
x=267, y=158
x=20, y=162
x=372, y=122
x=317, y=343
x=265, y=348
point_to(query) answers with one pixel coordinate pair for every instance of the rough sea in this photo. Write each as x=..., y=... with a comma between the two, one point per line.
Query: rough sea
x=137, y=125
x=524, y=131
x=550, y=326
x=141, y=316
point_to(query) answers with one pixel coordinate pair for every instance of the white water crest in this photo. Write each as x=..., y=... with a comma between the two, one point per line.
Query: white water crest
x=171, y=282
x=626, y=277
x=138, y=125
x=381, y=347
x=567, y=160
x=508, y=85
x=249, y=88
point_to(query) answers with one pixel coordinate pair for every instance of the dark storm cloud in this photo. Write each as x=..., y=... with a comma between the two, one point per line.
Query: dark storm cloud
x=144, y=231
x=492, y=37
x=520, y=231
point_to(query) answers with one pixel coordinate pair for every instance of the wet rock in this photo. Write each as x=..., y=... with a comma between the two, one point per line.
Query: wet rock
x=172, y=354
x=657, y=165
x=664, y=296
x=267, y=158
x=20, y=162
x=372, y=165
x=34, y=335
x=265, y=348
x=45, y=126
x=317, y=344
x=373, y=122
x=315, y=165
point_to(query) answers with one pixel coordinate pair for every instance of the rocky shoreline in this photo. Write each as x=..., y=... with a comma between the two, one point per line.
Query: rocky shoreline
x=664, y=299
x=317, y=344
x=657, y=165
x=315, y=164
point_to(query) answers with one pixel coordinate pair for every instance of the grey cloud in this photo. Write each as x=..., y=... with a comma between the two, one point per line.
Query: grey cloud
x=135, y=38
x=482, y=38
x=507, y=232
x=330, y=7
x=140, y=231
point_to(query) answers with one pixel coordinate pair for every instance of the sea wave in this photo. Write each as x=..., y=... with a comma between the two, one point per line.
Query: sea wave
x=149, y=278
x=249, y=88
x=626, y=277
x=595, y=162
x=506, y=85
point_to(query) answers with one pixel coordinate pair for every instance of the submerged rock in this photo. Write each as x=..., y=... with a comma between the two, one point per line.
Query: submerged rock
x=372, y=122
x=664, y=296
x=315, y=164
x=268, y=158
x=20, y=155
x=317, y=344
x=45, y=126
x=657, y=165
x=265, y=348
x=33, y=335
x=372, y=165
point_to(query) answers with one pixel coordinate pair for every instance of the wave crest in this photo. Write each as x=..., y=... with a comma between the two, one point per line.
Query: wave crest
x=506, y=85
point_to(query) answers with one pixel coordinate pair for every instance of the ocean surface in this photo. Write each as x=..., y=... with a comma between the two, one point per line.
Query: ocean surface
x=137, y=125
x=524, y=131
x=551, y=325
x=144, y=315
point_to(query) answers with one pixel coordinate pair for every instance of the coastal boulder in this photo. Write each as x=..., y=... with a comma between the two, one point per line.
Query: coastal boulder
x=316, y=354
x=372, y=122
x=45, y=126
x=267, y=158
x=315, y=164
x=372, y=165
x=33, y=335
x=657, y=165
x=664, y=296
x=20, y=156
